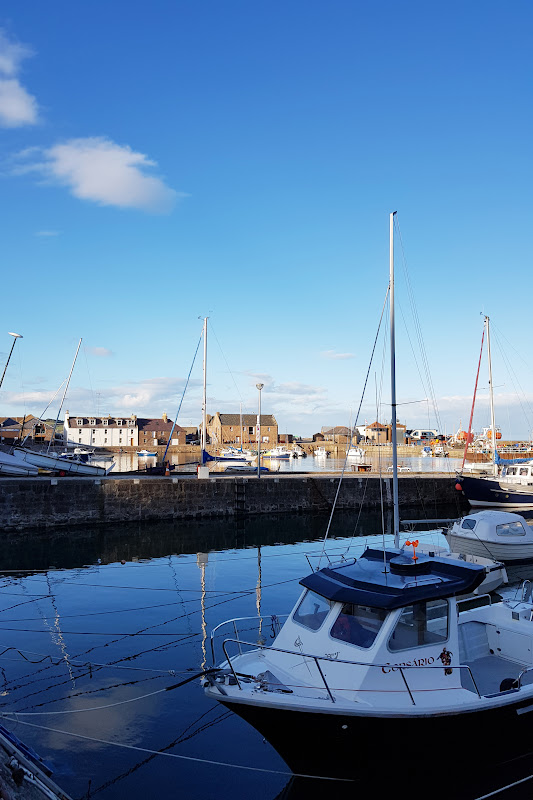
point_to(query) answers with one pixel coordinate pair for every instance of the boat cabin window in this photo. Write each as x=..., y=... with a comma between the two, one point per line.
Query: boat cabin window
x=419, y=624
x=358, y=624
x=511, y=470
x=470, y=524
x=312, y=611
x=510, y=529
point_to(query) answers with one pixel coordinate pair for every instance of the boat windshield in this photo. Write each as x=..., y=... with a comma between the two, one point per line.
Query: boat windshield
x=510, y=529
x=358, y=625
x=312, y=611
x=421, y=623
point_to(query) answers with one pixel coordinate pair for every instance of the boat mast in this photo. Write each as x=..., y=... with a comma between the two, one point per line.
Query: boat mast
x=396, y=512
x=491, y=395
x=204, y=399
x=52, y=438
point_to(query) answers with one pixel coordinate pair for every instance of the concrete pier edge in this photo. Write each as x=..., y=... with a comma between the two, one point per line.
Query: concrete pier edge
x=44, y=503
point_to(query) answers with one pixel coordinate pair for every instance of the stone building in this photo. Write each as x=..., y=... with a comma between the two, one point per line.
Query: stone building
x=340, y=434
x=226, y=429
x=382, y=433
x=117, y=431
x=14, y=429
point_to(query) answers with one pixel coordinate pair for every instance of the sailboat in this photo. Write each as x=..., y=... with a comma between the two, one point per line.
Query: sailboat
x=511, y=484
x=56, y=463
x=383, y=648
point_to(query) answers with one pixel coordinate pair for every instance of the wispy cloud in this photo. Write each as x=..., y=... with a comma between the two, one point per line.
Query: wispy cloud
x=101, y=171
x=333, y=355
x=47, y=233
x=17, y=106
x=99, y=352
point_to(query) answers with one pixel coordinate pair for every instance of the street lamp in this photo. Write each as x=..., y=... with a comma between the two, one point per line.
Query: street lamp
x=259, y=386
x=15, y=337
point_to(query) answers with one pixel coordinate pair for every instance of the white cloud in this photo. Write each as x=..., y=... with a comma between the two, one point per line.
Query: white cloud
x=17, y=106
x=99, y=170
x=331, y=354
x=47, y=233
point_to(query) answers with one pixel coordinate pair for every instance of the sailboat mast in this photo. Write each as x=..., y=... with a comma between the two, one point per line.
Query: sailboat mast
x=491, y=395
x=204, y=399
x=52, y=438
x=396, y=513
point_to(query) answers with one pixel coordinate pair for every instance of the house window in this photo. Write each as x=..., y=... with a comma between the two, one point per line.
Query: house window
x=119, y=422
x=120, y=433
x=131, y=431
x=79, y=421
x=92, y=422
x=105, y=441
x=79, y=441
x=94, y=431
x=268, y=429
x=231, y=427
x=251, y=430
x=132, y=422
x=79, y=430
x=120, y=441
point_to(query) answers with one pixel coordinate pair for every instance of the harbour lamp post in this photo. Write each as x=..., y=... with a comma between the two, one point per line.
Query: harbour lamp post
x=15, y=337
x=259, y=386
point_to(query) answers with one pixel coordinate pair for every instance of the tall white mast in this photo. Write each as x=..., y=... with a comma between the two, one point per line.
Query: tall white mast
x=491, y=396
x=204, y=400
x=396, y=512
x=52, y=438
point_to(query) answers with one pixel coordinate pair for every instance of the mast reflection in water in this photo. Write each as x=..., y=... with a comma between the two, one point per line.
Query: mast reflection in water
x=147, y=619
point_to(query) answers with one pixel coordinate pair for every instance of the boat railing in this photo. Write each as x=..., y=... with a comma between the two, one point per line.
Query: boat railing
x=317, y=659
x=261, y=623
x=475, y=599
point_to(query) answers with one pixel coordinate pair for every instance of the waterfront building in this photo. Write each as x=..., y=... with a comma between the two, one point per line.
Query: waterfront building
x=119, y=431
x=380, y=433
x=13, y=429
x=226, y=429
x=340, y=434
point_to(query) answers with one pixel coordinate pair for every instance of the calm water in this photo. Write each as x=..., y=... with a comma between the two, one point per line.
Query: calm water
x=125, y=462
x=147, y=621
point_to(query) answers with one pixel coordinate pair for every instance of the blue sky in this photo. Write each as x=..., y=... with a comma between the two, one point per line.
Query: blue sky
x=240, y=160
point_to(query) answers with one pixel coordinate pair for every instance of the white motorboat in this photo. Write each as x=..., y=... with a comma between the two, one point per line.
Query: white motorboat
x=11, y=465
x=278, y=453
x=427, y=452
x=232, y=454
x=146, y=453
x=321, y=452
x=383, y=649
x=355, y=453
x=498, y=534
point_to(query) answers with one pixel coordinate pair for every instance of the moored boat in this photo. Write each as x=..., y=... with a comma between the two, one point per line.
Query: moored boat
x=499, y=534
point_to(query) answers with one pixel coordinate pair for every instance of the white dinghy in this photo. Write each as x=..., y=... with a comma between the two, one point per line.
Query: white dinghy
x=11, y=465
x=497, y=534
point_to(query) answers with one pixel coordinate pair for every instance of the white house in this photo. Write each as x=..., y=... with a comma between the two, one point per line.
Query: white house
x=101, y=431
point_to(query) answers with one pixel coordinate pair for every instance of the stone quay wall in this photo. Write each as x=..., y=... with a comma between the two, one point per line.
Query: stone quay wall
x=54, y=502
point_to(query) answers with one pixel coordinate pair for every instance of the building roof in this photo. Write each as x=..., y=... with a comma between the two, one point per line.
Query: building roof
x=98, y=421
x=337, y=430
x=247, y=419
x=157, y=424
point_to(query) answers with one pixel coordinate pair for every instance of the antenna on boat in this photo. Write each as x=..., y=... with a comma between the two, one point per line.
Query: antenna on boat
x=396, y=513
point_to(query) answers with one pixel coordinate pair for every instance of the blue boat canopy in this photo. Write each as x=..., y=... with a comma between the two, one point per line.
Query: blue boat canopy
x=404, y=581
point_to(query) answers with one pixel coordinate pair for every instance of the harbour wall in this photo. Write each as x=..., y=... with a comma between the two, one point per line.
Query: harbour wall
x=45, y=503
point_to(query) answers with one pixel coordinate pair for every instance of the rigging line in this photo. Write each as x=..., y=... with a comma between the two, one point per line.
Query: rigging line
x=109, y=705
x=181, y=401
x=85, y=664
x=467, y=442
x=224, y=357
x=90, y=381
x=52, y=400
x=418, y=326
x=103, y=633
x=356, y=419
x=504, y=788
x=515, y=381
x=182, y=757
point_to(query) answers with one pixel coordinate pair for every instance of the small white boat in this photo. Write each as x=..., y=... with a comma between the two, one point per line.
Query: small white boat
x=239, y=456
x=11, y=465
x=426, y=452
x=146, y=454
x=55, y=463
x=279, y=452
x=321, y=452
x=501, y=535
x=355, y=452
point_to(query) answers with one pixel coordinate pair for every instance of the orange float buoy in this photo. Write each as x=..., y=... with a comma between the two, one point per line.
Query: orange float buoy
x=458, y=487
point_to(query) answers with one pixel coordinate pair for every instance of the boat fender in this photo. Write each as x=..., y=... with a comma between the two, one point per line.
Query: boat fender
x=458, y=487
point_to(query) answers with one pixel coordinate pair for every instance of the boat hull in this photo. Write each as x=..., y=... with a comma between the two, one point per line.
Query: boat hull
x=11, y=465
x=58, y=464
x=506, y=552
x=494, y=493
x=351, y=746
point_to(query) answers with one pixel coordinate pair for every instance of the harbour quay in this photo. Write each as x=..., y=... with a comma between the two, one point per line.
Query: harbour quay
x=45, y=503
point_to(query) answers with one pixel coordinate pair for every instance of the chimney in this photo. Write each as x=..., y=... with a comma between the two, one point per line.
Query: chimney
x=165, y=418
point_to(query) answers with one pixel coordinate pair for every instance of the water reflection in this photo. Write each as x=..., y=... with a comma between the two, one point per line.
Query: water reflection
x=130, y=608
